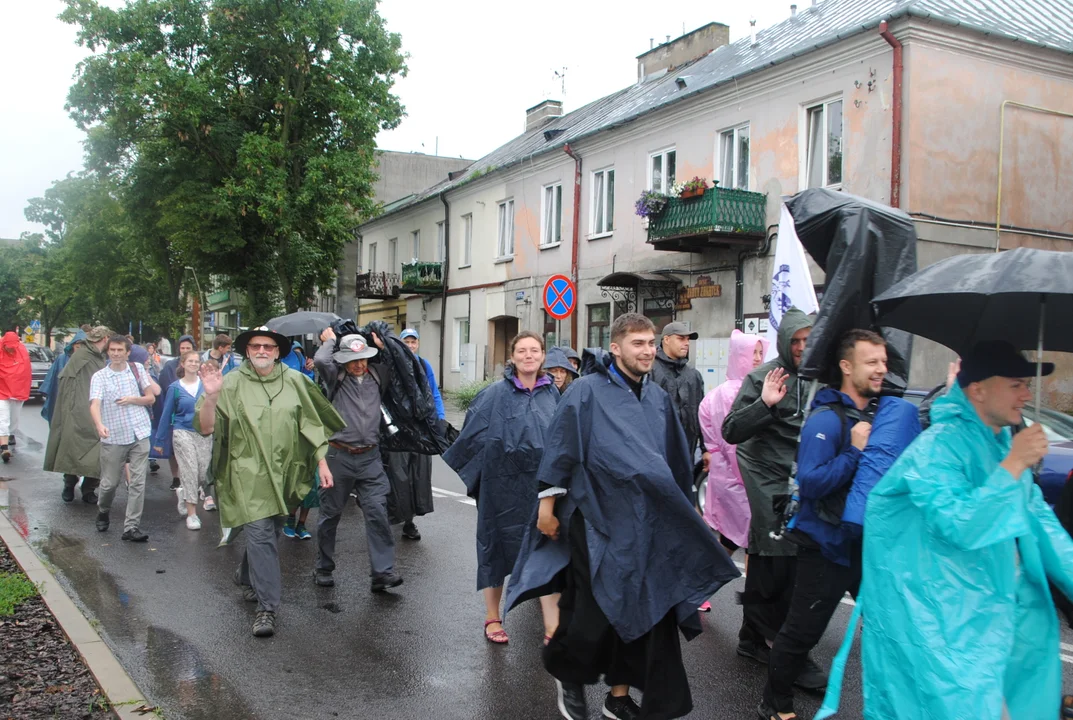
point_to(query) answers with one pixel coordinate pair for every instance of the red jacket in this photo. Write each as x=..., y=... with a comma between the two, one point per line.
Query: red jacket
x=16, y=373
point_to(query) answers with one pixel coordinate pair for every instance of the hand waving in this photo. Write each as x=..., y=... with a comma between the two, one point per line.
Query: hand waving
x=211, y=379
x=774, y=387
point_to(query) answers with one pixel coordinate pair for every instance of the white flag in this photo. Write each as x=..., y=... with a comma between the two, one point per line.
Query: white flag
x=791, y=281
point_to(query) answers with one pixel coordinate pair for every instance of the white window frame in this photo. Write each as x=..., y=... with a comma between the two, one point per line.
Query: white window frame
x=466, y=256
x=662, y=155
x=602, y=223
x=456, y=359
x=372, y=257
x=734, y=181
x=361, y=255
x=806, y=111
x=551, y=233
x=415, y=239
x=505, y=229
x=441, y=235
x=393, y=255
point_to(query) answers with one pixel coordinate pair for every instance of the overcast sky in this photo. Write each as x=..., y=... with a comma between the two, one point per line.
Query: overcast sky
x=475, y=66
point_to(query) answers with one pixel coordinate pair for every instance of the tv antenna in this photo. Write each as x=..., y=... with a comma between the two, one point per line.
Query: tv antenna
x=560, y=76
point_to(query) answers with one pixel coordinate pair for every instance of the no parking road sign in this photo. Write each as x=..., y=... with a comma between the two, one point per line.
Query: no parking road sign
x=560, y=297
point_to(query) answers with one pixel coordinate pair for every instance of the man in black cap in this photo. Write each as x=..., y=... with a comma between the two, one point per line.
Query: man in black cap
x=683, y=383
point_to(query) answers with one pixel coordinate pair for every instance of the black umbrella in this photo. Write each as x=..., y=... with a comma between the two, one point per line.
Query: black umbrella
x=1022, y=296
x=305, y=322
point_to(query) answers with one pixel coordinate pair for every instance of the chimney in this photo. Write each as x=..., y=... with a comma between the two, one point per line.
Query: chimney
x=752, y=32
x=793, y=11
x=542, y=113
x=678, y=52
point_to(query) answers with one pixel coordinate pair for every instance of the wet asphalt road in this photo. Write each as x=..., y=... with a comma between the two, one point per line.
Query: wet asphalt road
x=177, y=623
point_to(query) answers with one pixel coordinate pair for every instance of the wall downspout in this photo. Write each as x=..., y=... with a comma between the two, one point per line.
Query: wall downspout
x=577, y=236
x=739, y=275
x=896, y=112
x=446, y=272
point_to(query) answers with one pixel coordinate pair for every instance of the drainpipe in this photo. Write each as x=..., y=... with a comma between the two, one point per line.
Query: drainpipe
x=896, y=111
x=739, y=276
x=446, y=270
x=577, y=236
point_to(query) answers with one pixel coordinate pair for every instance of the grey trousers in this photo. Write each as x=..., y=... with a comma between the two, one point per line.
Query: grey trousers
x=364, y=474
x=260, y=562
x=113, y=457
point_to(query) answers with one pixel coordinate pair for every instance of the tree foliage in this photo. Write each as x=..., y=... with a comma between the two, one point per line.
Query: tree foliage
x=239, y=134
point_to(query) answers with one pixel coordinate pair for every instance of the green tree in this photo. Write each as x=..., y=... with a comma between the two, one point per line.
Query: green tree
x=12, y=313
x=242, y=131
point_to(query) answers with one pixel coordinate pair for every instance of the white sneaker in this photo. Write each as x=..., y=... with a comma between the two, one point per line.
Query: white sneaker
x=181, y=506
x=193, y=523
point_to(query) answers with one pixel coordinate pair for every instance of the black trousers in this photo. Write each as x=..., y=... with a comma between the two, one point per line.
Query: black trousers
x=586, y=646
x=820, y=586
x=769, y=586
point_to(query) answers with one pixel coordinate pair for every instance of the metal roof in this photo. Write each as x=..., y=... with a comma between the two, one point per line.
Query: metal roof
x=1042, y=23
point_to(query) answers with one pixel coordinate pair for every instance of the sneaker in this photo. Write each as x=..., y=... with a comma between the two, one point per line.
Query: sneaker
x=153, y=466
x=68, y=493
x=193, y=522
x=812, y=677
x=90, y=498
x=288, y=527
x=301, y=532
x=265, y=624
x=571, y=699
x=248, y=593
x=180, y=507
x=754, y=651
x=209, y=504
x=175, y=484
x=410, y=531
x=102, y=522
x=323, y=579
x=706, y=607
x=621, y=708
x=385, y=582
x=135, y=535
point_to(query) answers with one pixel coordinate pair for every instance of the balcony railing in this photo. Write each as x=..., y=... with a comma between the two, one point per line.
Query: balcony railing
x=720, y=216
x=422, y=277
x=377, y=286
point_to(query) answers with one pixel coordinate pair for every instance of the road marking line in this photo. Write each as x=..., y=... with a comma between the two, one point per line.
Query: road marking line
x=451, y=493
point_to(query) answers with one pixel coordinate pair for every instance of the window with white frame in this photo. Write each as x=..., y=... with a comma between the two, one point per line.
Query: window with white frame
x=372, y=257
x=603, y=201
x=505, y=241
x=466, y=256
x=393, y=255
x=823, y=144
x=361, y=255
x=461, y=338
x=551, y=216
x=415, y=237
x=441, y=236
x=661, y=170
x=734, y=158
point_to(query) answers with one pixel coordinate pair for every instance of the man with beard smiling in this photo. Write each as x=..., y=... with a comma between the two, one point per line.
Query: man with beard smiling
x=270, y=429
x=828, y=561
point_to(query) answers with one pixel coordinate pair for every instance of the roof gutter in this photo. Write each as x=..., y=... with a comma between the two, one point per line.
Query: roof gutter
x=574, y=250
x=896, y=112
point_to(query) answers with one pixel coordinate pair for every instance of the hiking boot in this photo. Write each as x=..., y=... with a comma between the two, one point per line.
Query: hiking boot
x=288, y=527
x=102, y=522
x=571, y=700
x=301, y=532
x=384, y=582
x=248, y=593
x=69, y=482
x=323, y=579
x=812, y=677
x=153, y=466
x=410, y=531
x=265, y=624
x=621, y=708
x=758, y=651
x=5, y=454
x=135, y=535
x=90, y=498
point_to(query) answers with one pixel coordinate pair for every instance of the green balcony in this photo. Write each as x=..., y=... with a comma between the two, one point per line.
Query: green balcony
x=422, y=277
x=719, y=217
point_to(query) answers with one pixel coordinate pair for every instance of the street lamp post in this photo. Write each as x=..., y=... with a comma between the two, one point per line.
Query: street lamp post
x=203, y=299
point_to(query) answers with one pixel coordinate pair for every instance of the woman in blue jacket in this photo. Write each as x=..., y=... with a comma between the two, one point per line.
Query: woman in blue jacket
x=191, y=449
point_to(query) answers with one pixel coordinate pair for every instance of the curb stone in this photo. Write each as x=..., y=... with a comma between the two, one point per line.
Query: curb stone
x=118, y=687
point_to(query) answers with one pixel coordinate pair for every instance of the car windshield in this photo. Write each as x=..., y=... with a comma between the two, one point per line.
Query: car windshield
x=1055, y=433
x=38, y=354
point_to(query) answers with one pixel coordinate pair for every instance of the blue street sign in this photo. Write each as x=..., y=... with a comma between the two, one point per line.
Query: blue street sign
x=560, y=297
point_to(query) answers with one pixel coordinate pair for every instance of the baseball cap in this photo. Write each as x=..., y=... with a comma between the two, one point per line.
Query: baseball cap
x=997, y=358
x=98, y=333
x=679, y=328
x=353, y=347
x=409, y=332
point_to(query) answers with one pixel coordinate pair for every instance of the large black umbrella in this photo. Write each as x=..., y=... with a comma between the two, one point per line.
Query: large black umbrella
x=1022, y=296
x=305, y=322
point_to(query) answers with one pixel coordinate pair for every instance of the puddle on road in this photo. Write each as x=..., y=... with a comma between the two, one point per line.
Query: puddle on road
x=179, y=678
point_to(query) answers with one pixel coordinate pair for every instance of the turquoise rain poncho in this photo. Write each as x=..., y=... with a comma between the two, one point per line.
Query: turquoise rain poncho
x=957, y=616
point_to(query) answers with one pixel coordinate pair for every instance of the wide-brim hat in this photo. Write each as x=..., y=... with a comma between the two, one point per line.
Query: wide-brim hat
x=353, y=347
x=243, y=340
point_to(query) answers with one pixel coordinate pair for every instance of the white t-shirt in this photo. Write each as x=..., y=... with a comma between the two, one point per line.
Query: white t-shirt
x=190, y=387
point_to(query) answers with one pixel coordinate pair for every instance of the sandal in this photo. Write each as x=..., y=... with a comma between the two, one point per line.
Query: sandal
x=499, y=637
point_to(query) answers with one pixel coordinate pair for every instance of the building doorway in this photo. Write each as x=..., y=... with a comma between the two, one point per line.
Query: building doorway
x=504, y=329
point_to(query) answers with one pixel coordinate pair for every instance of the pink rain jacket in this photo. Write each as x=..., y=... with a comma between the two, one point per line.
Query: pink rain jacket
x=727, y=507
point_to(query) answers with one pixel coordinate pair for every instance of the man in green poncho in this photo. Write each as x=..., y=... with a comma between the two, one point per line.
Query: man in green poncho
x=270, y=430
x=74, y=447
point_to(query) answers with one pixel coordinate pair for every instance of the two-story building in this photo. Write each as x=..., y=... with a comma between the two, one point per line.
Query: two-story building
x=961, y=117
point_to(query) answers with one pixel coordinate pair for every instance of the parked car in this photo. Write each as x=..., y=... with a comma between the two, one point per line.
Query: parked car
x=41, y=361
